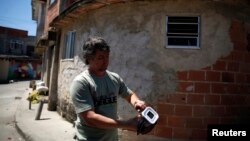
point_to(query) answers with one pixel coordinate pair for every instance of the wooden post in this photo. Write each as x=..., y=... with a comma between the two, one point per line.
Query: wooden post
x=39, y=110
x=40, y=107
x=30, y=104
x=52, y=105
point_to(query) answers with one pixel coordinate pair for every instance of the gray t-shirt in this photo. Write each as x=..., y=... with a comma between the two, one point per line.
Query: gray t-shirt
x=89, y=91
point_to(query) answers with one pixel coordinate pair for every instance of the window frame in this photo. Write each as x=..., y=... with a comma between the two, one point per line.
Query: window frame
x=69, y=44
x=185, y=35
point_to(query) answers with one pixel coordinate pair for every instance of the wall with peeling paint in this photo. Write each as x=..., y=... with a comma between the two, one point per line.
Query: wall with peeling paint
x=136, y=33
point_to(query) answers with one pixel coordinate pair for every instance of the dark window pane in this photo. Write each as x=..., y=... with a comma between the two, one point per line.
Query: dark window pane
x=183, y=19
x=182, y=28
x=182, y=41
x=183, y=31
x=181, y=35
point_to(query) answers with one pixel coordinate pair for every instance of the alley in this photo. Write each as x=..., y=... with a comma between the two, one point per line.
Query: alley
x=10, y=95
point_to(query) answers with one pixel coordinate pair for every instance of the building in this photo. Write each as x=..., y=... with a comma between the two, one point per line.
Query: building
x=17, y=55
x=189, y=59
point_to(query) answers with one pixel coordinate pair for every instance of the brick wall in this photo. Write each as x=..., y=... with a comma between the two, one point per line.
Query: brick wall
x=217, y=94
x=53, y=12
x=13, y=32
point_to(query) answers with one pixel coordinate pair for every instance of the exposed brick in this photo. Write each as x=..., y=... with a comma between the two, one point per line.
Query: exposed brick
x=243, y=120
x=211, y=120
x=248, y=40
x=199, y=134
x=202, y=87
x=247, y=56
x=182, y=133
x=247, y=99
x=201, y=111
x=162, y=121
x=228, y=120
x=241, y=78
x=195, y=123
x=245, y=67
x=240, y=45
x=237, y=31
x=233, y=66
x=244, y=89
x=237, y=56
x=238, y=111
x=232, y=100
x=218, y=88
x=212, y=99
x=233, y=110
x=175, y=121
x=195, y=99
x=182, y=75
x=163, y=132
x=248, y=78
x=186, y=87
x=213, y=76
x=167, y=109
x=113, y=1
x=227, y=77
x=219, y=66
x=183, y=110
x=13, y=32
x=152, y=132
x=233, y=88
x=177, y=98
x=245, y=112
x=196, y=75
x=218, y=111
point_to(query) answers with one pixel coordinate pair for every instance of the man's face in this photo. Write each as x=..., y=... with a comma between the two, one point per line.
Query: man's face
x=100, y=61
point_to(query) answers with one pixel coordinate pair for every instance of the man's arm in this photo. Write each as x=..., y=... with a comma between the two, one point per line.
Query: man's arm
x=96, y=120
x=133, y=99
x=93, y=119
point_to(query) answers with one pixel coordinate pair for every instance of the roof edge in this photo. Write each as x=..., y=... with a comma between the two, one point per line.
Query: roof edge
x=80, y=6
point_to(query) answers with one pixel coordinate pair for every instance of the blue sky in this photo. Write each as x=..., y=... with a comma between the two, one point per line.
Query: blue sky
x=17, y=14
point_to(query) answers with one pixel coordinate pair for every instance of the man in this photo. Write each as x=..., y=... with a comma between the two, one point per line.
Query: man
x=94, y=94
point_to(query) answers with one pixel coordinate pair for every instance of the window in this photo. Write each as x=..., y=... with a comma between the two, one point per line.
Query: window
x=69, y=45
x=51, y=2
x=182, y=32
x=16, y=44
x=16, y=47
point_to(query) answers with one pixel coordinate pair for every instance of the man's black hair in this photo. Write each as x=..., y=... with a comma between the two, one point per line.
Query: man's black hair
x=93, y=44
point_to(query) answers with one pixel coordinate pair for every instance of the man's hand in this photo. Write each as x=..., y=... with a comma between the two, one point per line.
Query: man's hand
x=136, y=102
x=139, y=105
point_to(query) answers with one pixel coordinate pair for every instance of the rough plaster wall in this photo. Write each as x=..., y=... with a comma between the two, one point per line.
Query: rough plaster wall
x=4, y=70
x=136, y=34
x=68, y=70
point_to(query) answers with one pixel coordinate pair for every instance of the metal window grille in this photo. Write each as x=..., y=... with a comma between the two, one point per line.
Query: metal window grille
x=182, y=32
